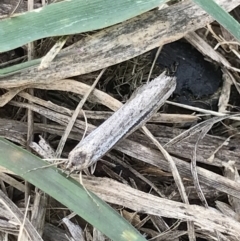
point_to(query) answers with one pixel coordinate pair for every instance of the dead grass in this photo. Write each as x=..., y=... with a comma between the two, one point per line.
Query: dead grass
x=135, y=174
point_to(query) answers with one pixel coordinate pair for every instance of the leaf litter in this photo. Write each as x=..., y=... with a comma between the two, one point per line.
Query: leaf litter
x=176, y=193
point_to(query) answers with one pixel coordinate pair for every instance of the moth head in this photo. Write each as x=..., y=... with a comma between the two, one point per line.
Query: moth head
x=79, y=159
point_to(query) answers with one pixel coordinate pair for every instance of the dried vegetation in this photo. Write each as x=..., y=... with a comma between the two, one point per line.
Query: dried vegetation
x=197, y=163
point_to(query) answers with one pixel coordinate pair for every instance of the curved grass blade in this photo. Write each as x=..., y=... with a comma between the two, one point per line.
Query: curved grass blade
x=68, y=192
x=68, y=17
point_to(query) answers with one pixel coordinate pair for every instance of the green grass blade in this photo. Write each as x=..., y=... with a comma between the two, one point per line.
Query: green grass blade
x=221, y=16
x=68, y=17
x=68, y=192
x=18, y=67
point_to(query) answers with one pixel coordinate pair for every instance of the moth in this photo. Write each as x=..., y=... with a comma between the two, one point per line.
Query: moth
x=143, y=103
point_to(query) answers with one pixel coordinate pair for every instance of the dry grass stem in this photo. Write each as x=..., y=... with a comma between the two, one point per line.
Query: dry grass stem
x=48, y=58
x=176, y=176
x=172, y=174
x=74, y=116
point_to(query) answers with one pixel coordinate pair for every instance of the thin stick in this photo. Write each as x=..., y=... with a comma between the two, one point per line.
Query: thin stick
x=210, y=112
x=21, y=234
x=48, y=58
x=15, y=9
x=154, y=62
x=139, y=175
x=30, y=113
x=75, y=115
x=176, y=177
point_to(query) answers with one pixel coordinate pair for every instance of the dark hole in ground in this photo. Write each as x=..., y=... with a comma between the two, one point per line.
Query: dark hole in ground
x=197, y=79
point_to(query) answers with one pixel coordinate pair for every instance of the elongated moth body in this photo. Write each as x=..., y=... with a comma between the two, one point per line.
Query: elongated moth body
x=133, y=114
